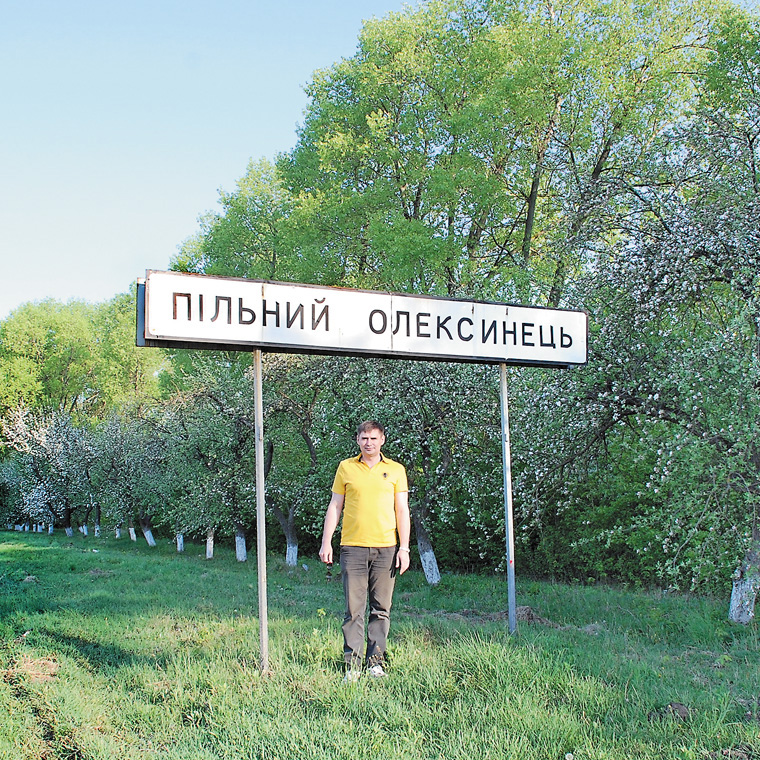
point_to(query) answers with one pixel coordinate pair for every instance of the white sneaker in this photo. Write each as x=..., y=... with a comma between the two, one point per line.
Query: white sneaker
x=376, y=671
x=352, y=675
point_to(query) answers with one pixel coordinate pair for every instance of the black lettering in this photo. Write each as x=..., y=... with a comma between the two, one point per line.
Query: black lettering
x=441, y=325
x=372, y=327
x=512, y=332
x=491, y=331
x=398, y=323
x=422, y=323
x=175, y=296
x=246, y=316
x=459, y=328
x=550, y=343
x=527, y=333
x=275, y=312
x=315, y=320
x=290, y=319
x=219, y=299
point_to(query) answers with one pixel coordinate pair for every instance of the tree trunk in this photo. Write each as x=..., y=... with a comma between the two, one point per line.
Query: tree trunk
x=747, y=585
x=67, y=523
x=425, y=546
x=286, y=521
x=210, y=543
x=240, y=551
x=148, y=533
x=146, y=526
x=180, y=542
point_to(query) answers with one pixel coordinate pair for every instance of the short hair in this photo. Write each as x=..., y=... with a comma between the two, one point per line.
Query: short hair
x=368, y=425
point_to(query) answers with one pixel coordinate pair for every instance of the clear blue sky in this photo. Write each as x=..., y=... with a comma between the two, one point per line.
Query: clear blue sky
x=119, y=122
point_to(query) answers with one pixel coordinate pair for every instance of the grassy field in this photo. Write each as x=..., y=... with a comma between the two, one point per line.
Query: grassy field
x=109, y=649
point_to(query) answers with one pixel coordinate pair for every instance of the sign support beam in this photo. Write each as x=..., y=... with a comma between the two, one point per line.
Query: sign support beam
x=508, y=517
x=261, y=540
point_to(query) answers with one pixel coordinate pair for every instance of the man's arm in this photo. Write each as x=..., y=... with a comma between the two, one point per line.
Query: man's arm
x=403, y=526
x=332, y=518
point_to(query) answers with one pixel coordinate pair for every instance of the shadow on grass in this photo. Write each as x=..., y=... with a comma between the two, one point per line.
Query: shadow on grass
x=97, y=655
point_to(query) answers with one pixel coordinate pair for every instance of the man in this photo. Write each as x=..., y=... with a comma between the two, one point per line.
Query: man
x=371, y=492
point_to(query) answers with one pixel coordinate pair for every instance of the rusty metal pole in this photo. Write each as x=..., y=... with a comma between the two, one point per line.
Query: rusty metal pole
x=261, y=541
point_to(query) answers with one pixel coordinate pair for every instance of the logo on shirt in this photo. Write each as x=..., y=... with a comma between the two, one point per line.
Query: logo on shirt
x=385, y=474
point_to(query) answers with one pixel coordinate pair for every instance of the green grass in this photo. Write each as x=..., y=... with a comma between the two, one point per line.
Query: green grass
x=128, y=652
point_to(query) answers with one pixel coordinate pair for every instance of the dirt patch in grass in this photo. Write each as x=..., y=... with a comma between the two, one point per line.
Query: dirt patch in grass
x=523, y=614
x=32, y=669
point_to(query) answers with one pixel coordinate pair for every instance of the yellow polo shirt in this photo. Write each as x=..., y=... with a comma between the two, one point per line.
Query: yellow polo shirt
x=369, y=508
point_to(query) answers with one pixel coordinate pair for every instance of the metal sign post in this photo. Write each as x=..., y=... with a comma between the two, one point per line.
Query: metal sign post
x=261, y=540
x=508, y=518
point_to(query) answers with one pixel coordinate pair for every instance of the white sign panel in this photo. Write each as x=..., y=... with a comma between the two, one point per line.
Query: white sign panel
x=213, y=312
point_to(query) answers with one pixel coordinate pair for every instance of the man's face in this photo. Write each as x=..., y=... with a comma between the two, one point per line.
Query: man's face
x=370, y=442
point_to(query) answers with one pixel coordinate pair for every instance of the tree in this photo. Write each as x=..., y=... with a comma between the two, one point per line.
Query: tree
x=132, y=463
x=476, y=148
x=294, y=465
x=209, y=435
x=76, y=358
x=47, y=356
x=246, y=238
x=51, y=465
x=124, y=374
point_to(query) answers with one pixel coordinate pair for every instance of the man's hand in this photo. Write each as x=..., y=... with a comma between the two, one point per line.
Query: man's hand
x=402, y=561
x=326, y=553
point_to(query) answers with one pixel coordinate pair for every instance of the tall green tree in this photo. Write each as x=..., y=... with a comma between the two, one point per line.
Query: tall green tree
x=482, y=148
x=124, y=375
x=47, y=356
x=247, y=237
x=78, y=358
x=659, y=449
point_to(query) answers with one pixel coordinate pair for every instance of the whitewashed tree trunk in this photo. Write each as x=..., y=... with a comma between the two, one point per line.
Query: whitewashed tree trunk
x=97, y=530
x=425, y=547
x=430, y=566
x=148, y=533
x=210, y=544
x=180, y=542
x=240, y=551
x=291, y=555
x=743, y=598
x=69, y=532
x=746, y=585
x=132, y=534
x=84, y=530
x=117, y=531
x=51, y=528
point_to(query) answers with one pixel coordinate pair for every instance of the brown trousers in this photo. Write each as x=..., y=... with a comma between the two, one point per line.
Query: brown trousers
x=368, y=573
